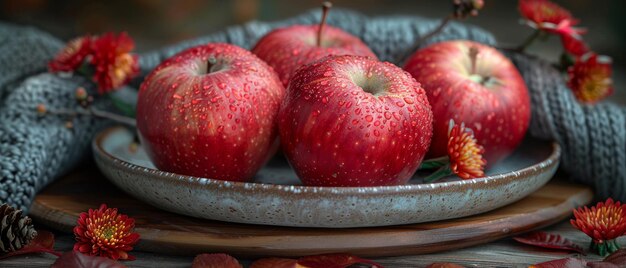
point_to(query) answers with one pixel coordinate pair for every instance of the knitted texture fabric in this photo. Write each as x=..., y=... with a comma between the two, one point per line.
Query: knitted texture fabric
x=593, y=137
x=34, y=150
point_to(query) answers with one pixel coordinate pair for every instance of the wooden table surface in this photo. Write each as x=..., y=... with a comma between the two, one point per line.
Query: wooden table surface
x=502, y=253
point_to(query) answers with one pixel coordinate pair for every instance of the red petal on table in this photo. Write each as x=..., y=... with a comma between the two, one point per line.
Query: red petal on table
x=75, y=259
x=444, y=265
x=219, y=260
x=275, y=263
x=338, y=260
x=43, y=243
x=546, y=240
x=618, y=258
x=562, y=263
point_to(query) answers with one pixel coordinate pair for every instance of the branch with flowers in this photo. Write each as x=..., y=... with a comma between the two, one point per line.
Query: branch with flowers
x=461, y=9
x=107, y=60
x=589, y=74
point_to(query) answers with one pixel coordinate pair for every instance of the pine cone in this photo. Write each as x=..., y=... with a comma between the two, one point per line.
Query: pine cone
x=16, y=231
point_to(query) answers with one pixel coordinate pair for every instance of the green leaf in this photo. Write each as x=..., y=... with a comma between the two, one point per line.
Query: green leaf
x=86, y=70
x=444, y=171
x=434, y=163
x=125, y=108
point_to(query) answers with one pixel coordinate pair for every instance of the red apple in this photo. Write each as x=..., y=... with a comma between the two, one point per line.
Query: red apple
x=210, y=111
x=288, y=48
x=354, y=121
x=477, y=85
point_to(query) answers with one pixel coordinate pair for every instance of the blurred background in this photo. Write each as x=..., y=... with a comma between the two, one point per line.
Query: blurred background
x=154, y=23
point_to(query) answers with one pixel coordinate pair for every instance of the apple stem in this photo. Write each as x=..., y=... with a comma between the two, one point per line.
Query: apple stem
x=326, y=5
x=485, y=80
x=210, y=63
x=473, y=54
x=91, y=111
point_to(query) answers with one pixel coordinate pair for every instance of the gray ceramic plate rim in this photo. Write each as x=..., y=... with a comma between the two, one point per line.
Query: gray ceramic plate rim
x=540, y=167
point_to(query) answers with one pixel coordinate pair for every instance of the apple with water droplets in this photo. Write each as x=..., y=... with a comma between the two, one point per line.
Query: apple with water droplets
x=286, y=49
x=354, y=121
x=477, y=85
x=210, y=111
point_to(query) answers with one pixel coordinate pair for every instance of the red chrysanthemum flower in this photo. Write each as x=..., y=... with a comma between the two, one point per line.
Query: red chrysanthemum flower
x=464, y=152
x=71, y=56
x=603, y=223
x=590, y=78
x=104, y=232
x=574, y=45
x=113, y=63
x=550, y=17
x=540, y=12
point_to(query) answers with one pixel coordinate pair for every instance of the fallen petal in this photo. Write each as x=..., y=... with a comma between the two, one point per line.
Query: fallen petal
x=551, y=241
x=275, y=263
x=562, y=263
x=219, y=260
x=42, y=243
x=75, y=259
x=444, y=265
x=337, y=260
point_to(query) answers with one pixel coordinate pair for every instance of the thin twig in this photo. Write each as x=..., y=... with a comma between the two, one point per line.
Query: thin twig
x=529, y=40
x=427, y=36
x=91, y=111
x=439, y=28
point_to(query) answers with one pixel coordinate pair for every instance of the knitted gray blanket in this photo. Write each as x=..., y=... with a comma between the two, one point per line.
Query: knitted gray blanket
x=35, y=150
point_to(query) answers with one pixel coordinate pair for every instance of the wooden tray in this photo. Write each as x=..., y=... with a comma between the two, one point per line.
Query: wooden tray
x=60, y=204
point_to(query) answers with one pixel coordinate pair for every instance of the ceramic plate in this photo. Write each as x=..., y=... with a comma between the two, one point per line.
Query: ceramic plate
x=277, y=198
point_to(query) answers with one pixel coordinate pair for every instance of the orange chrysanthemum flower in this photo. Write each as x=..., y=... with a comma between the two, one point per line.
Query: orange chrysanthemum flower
x=114, y=64
x=71, y=56
x=590, y=78
x=603, y=223
x=104, y=232
x=464, y=152
x=550, y=17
